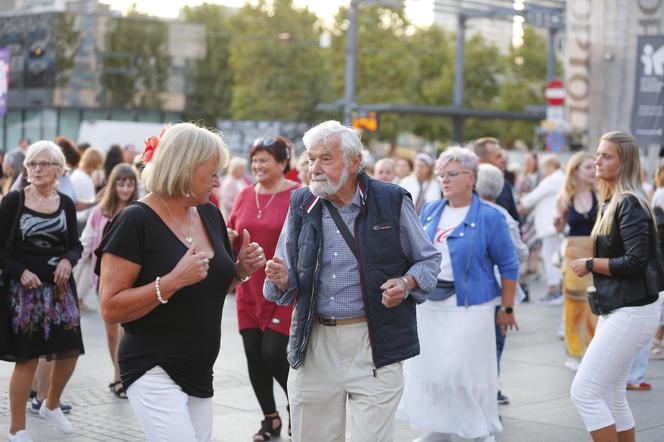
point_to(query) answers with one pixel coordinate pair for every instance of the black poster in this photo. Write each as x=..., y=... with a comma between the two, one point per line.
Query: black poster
x=648, y=110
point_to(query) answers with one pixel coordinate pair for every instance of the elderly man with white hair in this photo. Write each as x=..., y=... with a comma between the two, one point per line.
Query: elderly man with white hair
x=354, y=293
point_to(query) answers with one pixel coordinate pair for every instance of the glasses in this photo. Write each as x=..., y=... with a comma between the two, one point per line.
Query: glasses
x=268, y=142
x=452, y=174
x=42, y=164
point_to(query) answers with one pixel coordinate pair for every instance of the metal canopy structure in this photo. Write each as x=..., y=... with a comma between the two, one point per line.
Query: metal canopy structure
x=549, y=14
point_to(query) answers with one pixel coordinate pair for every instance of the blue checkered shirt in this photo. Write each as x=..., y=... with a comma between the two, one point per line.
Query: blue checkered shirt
x=339, y=294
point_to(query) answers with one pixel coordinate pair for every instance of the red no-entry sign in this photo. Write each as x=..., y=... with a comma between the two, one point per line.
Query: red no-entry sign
x=555, y=93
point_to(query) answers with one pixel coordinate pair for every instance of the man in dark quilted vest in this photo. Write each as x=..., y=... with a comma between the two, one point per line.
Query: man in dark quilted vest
x=354, y=259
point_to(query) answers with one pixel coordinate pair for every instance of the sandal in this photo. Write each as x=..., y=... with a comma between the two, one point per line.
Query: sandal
x=117, y=389
x=267, y=430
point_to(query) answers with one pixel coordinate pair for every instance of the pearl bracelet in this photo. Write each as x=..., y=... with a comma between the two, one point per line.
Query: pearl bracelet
x=158, y=290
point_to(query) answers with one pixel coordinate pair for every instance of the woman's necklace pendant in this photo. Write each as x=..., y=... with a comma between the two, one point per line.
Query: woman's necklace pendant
x=189, y=239
x=259, y=214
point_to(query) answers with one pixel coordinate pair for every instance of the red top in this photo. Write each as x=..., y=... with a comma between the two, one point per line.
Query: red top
x=253, y=310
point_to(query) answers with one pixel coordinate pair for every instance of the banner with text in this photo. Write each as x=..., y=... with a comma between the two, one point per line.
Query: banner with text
x=4, y=79
x=648, y=109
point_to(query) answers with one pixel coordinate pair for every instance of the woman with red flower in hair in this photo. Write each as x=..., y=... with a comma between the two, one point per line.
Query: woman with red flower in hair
x=165, y=266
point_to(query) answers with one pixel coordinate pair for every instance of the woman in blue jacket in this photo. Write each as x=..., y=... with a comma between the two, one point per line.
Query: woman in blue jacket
x=450, y=388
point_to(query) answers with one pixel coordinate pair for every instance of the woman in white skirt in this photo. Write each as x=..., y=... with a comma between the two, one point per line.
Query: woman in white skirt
x=450, y=388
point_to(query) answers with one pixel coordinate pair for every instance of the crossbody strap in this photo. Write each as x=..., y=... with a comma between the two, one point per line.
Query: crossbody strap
x=343, y=229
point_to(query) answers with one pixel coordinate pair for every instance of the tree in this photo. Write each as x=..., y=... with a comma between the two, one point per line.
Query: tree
x=276, y=62
x=209, y=97
x=66, y=48
x=136, y=63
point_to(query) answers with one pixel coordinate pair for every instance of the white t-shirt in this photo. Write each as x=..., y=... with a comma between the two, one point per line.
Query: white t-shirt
x=449, y=220
x=85, y=192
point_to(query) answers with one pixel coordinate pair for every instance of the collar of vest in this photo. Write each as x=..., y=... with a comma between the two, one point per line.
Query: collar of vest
x=363, y=183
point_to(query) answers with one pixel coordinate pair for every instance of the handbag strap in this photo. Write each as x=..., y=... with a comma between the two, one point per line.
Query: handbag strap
x=341, y=225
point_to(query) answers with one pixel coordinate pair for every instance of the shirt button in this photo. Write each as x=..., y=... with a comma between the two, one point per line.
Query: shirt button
x=334, y=276
x=472, y=224
x=335, y=254
x=461, y=234
x=337, y=231
x=331, y=298
x=333, y=317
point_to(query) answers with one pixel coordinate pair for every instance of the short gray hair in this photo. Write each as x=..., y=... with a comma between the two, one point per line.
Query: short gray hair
x=490, y=182
x=463, y=155
x=349, y=139
x=51, y=149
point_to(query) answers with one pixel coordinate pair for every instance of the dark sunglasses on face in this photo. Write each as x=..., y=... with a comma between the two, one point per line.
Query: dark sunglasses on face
x=268, y=142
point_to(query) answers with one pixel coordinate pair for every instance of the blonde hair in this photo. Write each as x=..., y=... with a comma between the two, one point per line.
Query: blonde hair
x=54, y=153
x=571, y=180
x=181, y=148
x=659, y=175
x=551, y=160
x=628, y=181
x=92, y=158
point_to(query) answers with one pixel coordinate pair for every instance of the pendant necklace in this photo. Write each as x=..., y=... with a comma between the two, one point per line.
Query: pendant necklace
x=187, y=236
x=259, y=214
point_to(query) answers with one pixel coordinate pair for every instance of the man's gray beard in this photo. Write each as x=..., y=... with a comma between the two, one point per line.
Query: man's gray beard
x=327, y=189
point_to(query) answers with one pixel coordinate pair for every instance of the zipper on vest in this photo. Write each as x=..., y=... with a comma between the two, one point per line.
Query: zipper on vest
x=363, y=211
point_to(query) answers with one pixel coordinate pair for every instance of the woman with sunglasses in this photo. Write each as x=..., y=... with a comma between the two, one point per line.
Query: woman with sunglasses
x=264, y=326
x=450, y=388
x=40, y=246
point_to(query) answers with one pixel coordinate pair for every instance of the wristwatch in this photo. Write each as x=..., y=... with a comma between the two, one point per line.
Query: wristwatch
x=240, y=277
x=589, y=264
x=508, y=310
x=406, y=290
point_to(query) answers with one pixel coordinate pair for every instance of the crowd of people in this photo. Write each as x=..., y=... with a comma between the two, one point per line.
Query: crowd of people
x=387, y=290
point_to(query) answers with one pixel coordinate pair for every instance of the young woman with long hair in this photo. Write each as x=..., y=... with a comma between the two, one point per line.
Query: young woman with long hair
x=121, y=191
x=577, y=209
x=626, y=269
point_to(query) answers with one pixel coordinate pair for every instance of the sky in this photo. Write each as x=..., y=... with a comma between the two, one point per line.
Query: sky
x=419, y=11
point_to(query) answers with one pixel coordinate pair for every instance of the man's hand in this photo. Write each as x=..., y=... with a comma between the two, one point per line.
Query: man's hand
x=277, y=272
x=394, y=291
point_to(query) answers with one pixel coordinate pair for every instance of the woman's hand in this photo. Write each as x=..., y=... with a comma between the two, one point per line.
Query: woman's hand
x=559, y=223
x=62, y=272
x=232, y=234
x=506, y=320
x=579, y=267
x=29, y=280
x=250, y=257
x=192, y=268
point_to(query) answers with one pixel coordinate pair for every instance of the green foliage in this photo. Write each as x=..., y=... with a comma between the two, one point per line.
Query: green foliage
x=276, y=62
x=67, y=44
x=211, y=77
x=136, y=63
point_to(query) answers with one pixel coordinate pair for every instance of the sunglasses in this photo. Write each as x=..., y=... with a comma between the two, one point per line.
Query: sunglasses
x=268, y=142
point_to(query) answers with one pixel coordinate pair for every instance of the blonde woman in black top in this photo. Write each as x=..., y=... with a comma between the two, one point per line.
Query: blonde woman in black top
x=627, y=279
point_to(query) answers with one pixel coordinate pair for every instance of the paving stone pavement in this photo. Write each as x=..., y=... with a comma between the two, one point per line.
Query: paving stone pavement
x=533, y=376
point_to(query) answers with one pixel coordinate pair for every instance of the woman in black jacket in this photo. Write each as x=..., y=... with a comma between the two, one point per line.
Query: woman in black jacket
x=627, y=280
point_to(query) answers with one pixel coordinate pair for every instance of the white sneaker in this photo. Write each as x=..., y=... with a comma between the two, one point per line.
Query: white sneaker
x=20, y=436
x=434, y=437
x=572, y=363
x=57, y=419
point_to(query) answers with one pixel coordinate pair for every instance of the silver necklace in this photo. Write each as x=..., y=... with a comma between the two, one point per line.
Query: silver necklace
x=187, y=236
x=43, y=199
x=259, y=214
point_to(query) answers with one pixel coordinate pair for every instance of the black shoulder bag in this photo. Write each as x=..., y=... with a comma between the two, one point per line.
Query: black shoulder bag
x=5, y=319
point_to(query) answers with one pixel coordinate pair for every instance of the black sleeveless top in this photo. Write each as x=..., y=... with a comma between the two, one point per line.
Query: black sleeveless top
x=581, y=224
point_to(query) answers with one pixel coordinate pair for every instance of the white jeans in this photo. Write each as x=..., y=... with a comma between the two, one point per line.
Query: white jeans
x=167, y=413
x=550, y=245
x=598, y=390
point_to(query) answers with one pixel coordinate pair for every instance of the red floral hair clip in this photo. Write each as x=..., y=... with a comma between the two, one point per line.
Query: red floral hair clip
x=151, y=145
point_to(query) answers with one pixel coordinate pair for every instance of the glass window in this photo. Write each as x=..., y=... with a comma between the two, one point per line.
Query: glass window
x=69, y=123
x=32, y=125
x=123, y=115
x=14, y=128
x=95, y=114
x=172, y=117
x=149, y=116
x=49, y=124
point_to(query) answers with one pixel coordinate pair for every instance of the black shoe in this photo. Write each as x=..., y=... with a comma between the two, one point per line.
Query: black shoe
x=502, y=399
x=267, y=430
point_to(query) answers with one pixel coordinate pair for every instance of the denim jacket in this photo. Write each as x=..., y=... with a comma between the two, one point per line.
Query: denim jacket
x=481, y=241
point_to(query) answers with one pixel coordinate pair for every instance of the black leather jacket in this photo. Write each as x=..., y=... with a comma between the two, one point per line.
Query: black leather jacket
x=635, y=260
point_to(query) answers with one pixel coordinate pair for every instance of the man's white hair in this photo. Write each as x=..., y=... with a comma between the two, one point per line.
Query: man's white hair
x=490, y=182
x=348, y=137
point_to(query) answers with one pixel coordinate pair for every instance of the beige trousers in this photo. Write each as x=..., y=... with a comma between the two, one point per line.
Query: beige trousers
x=338, y=371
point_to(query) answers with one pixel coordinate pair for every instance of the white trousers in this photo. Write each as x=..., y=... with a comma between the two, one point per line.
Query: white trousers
x=598, y=389
x=167, y=413
x=337, y=373
x=550, y=245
